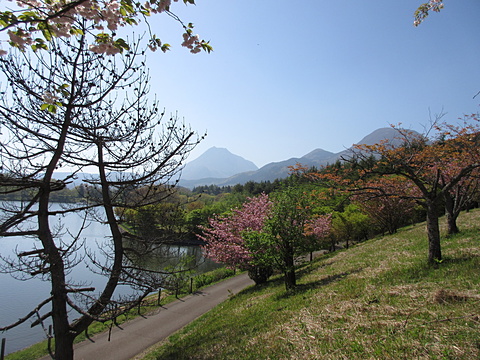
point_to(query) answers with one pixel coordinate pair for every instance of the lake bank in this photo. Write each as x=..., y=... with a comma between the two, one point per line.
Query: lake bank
x=19, y=297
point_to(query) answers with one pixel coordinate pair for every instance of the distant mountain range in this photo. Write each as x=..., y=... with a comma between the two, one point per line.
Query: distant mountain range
x=209, y=167
x=218, y=166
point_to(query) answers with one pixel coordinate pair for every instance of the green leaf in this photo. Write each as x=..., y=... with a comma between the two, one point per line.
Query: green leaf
x=145, y=12
x=121, y=44
x=165, y=47
x=207, y=47
x=76, y=31
x=102, y=38
x=7, y=18
x=131, y=21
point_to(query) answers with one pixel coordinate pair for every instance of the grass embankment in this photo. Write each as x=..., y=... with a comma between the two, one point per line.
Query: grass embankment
x=150, y=303
x=377, y=300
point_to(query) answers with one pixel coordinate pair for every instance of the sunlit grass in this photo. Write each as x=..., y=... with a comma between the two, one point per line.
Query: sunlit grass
x=377, y=300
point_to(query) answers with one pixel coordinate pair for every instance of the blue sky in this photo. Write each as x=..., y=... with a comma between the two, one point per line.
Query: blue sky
x=288, y=77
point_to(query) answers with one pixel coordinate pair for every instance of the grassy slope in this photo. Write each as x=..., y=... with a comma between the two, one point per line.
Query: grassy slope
x=378, y=300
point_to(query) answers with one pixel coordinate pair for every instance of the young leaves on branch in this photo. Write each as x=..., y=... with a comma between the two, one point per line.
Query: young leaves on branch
x=33, y=23
x=423, y=10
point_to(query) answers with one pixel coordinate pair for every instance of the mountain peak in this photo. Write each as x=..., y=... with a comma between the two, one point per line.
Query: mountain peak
x=318, y=155
x=378, y=135
x=217, y=151
x=216, y=163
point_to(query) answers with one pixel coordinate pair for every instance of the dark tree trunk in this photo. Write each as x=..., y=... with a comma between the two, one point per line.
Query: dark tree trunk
x=61, y=327
x=260, y=274
x=451, y=213
x=289, y=262
x=332, y=244
x=290, y=279
x=452, y=227
x=96, y=309
x=433, y=231
x=63, y=336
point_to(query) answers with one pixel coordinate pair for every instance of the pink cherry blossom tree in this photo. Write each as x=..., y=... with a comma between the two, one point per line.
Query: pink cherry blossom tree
x=318, y=226
x=227, y=237
x=266, y=233
x=288, y=228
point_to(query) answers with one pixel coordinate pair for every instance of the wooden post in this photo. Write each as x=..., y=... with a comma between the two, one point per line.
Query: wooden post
x=116, y=312
x=191, y=285
x=2, y=351
x=49, y=341
x=159, y=296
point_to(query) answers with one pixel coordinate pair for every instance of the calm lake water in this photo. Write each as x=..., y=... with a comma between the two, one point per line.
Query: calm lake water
x=18, y=298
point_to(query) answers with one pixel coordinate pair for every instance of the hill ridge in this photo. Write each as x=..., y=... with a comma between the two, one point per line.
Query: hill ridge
x=280, y=169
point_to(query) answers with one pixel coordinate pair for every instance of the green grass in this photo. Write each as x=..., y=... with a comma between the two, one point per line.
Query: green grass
x=377, y=300
x=150, y=303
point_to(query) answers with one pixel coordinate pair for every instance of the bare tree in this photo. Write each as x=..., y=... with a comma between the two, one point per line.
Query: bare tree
x=70, y=107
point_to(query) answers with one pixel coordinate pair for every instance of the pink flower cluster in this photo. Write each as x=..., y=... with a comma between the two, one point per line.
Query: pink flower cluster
x=319, y=226
x=223, y=238
x=192, y=42
x=159, y=6
x=104, y=48
x=102, y=14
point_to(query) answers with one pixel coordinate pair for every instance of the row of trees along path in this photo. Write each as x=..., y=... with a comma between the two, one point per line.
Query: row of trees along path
x=429, y=170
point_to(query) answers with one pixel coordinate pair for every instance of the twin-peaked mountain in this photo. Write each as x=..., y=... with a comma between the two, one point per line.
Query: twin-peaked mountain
x=220, y=167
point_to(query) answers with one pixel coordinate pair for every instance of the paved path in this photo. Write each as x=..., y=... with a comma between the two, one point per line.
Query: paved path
x=140, y=333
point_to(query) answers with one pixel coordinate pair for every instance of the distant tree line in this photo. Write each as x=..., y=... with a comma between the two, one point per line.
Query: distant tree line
x=65, y=195
x=250, y=187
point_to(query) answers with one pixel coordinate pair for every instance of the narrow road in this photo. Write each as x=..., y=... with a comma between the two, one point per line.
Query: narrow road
x=140, y=333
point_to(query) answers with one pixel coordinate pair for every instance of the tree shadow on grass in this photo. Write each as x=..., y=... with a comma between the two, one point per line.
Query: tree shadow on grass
x=461, y=259
x=422, y=269
x=274, y=281
x=302, y=288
